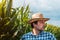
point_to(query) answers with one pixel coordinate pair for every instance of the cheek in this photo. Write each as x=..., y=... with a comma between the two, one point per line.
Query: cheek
x=41, y=26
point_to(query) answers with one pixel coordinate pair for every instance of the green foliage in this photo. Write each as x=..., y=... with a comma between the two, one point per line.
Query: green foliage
x=13, y=22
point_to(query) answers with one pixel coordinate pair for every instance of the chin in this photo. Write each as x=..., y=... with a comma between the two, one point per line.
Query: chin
x=41, y=29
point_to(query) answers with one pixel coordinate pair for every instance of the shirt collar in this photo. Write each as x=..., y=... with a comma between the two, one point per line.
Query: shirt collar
x=41, y=32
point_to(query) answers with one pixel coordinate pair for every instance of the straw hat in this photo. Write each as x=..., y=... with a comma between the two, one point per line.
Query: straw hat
x=36, y=17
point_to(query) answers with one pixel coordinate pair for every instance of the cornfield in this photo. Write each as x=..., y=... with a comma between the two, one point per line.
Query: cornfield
x=14, y=22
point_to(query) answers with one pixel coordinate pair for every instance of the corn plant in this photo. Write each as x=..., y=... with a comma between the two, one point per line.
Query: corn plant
x=13, y=21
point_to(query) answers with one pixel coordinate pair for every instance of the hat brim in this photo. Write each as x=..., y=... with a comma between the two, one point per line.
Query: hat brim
x=36, y=19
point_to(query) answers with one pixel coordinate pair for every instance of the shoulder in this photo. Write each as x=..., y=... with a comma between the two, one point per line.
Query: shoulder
x=26, y=35
x=49, y=35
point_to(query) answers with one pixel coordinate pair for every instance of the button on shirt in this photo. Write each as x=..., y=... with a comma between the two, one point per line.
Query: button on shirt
x=41, y=36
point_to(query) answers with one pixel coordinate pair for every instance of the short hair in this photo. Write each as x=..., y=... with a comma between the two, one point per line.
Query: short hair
x=35, y=22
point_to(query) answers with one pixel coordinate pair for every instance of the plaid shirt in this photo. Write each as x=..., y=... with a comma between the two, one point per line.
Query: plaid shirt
x=41, y=36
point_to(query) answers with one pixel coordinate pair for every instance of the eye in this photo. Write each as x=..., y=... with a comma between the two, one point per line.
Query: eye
x=41, y=21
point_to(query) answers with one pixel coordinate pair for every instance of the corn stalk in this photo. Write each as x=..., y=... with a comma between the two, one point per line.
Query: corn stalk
x=13, y=21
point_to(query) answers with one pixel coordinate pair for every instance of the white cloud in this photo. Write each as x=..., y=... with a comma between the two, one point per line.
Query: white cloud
x=18, y=3
x=44, y=4
x=50, y=8
x=39, y=4
x=53, y=22
x=0, y=0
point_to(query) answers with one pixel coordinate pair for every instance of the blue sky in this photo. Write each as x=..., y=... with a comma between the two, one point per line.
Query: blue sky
x=50, y=8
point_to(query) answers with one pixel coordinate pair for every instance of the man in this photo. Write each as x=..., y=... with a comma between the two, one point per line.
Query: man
x=38, y=23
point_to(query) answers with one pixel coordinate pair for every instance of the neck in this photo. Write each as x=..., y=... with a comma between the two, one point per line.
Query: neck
x=35, y=31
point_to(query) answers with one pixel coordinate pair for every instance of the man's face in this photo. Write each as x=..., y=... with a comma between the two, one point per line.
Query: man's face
x=40, y=25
